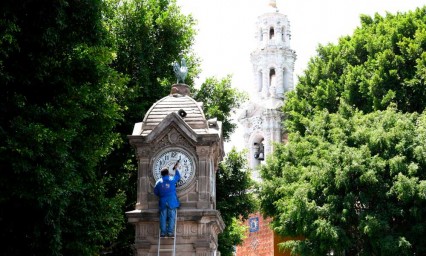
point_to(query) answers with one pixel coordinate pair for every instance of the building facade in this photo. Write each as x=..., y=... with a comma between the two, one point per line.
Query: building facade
x=273, y=66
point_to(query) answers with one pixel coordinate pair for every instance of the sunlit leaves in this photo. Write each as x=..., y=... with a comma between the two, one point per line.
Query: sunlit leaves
x=405, y=188
x=350, y=179
x=220, y=100
x=360, y=161
x=381, y=64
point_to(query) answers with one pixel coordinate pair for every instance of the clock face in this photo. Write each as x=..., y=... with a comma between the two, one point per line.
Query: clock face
x=168, y=158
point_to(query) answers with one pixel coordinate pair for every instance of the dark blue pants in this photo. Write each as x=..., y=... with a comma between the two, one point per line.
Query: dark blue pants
x=167, y=220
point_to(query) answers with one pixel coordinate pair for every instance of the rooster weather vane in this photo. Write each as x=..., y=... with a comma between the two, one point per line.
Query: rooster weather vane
x=180, y=70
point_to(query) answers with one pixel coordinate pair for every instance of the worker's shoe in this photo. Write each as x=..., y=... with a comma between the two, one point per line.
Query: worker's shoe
x=170, y=235
x=162, y=235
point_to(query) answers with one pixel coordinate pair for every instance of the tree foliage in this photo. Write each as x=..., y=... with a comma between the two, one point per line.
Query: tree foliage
x=75, y=77
x=235, y=201
x=354, y=185
x=220, y=100
x=352, y=177
x=149, y=35
x=58, y=109
x=382, y=63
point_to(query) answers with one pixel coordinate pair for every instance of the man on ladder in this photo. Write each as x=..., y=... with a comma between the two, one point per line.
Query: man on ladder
x=165, y=188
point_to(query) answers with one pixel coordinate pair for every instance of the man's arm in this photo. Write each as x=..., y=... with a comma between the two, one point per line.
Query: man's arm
x=156, y=189
x=177, y=175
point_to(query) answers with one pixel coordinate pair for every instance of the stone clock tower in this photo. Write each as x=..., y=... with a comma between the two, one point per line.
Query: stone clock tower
x=174, y=129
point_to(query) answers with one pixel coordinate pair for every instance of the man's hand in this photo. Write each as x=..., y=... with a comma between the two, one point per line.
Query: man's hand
x=176, y=165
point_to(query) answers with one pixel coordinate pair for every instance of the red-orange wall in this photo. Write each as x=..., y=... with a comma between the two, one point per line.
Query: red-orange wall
x=261, y=243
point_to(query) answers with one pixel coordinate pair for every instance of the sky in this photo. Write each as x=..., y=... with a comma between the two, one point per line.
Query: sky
x=226, y=30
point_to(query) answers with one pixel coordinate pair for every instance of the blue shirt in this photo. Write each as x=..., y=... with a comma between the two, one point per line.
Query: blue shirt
x=165, y=188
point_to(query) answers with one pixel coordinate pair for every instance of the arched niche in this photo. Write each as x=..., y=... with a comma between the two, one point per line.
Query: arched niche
x=271, y=33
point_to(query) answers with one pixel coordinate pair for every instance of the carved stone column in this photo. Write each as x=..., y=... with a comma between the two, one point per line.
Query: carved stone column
x=203, y=153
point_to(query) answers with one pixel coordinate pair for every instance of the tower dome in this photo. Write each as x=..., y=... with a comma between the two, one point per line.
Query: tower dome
x=179, y=102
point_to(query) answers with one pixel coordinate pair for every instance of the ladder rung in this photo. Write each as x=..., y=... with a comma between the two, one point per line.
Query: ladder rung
x=166, y=250
x=173, y=250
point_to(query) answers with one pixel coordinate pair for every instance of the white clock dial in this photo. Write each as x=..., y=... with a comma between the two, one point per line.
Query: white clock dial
x=168, y=158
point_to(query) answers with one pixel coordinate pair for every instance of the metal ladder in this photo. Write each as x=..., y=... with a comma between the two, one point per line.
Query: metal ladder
x=174, y=240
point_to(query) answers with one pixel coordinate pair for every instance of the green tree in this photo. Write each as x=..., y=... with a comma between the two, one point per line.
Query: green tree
x=149, y=35
x=354, y=184
x=235, y=199
x=382, y=63
x=352, y=177
x=220, y=100
x=65, y=114
x=58, y=108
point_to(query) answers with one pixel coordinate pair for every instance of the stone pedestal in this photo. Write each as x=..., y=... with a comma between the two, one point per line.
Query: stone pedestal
x=196, y=234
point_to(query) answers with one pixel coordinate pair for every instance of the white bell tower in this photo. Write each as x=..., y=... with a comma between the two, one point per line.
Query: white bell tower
x=273, y=66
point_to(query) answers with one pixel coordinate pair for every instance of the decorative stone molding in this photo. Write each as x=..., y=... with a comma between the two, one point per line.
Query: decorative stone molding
x=203, y=151
x=174, y=136
x=197, y=231
x=257, y=123
x=143, y=152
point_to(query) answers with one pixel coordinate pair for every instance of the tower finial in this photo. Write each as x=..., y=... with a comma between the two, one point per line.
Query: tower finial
x=180, y=70
x=273, y=3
